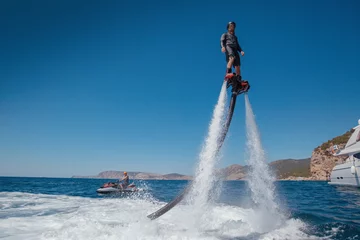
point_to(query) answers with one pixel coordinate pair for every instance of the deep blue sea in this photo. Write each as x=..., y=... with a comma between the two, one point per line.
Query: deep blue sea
x=64, y=208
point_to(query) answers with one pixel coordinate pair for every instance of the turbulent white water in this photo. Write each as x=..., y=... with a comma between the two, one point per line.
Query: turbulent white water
x=261, y=179
x=204, y=181
x=54, y=217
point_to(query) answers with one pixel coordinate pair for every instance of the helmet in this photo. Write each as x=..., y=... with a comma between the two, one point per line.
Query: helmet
x=227, y=26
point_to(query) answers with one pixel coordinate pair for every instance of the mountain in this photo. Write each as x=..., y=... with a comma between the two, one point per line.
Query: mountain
x=291, y=168
x=137, y=175
x=176, y=176
x=233, y=172
x=282, y=168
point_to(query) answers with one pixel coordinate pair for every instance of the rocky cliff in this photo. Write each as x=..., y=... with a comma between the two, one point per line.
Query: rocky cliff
x=322, y=160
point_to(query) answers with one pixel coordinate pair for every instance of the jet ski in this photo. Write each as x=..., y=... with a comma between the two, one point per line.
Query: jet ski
x=115, y=188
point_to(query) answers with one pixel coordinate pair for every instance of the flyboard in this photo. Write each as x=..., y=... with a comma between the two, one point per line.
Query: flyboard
x=238, y=87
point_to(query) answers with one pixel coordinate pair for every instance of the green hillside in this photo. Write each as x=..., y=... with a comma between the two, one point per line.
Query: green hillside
x=291, y=167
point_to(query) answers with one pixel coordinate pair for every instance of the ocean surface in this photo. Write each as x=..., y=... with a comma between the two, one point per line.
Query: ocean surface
x=64, y=208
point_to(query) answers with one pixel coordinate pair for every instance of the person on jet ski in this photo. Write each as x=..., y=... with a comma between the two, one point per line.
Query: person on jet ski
x=230, y=46
x=125, y=181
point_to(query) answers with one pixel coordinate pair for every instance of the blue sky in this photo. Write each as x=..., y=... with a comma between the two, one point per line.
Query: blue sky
x=87, y=86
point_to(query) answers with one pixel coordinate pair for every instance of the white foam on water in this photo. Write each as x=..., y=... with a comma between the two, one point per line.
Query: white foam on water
x=260, y=178
x=55, y=217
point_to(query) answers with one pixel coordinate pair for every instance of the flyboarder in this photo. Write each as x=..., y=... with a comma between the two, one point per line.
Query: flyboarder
x=231, y=47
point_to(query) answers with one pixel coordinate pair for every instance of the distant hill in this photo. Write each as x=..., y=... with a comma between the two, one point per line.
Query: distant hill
x=176, y=176
x=291, y=168
x=137, y=175
x=233, y=172
x=282, y=168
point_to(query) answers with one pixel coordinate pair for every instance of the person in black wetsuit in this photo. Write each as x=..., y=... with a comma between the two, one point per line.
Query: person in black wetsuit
x=125, y=181
x=230, y=45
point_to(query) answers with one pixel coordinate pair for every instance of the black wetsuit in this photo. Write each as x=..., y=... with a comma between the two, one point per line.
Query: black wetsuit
x=231, y=44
